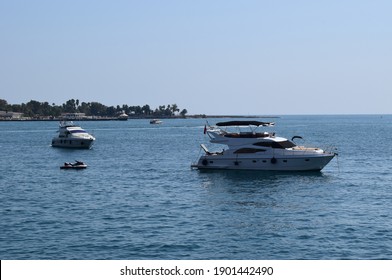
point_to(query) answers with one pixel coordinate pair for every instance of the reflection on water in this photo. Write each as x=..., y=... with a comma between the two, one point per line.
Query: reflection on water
x=240, y=179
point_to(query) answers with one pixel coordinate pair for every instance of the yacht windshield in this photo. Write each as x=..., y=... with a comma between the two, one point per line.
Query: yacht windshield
x=277, y=145
x=78, y=131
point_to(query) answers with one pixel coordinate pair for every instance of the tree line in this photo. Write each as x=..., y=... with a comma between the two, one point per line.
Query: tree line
x=35, y=108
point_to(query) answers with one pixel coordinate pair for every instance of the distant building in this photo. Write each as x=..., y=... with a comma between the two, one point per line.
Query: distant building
x=4, y=115
x=73, y=116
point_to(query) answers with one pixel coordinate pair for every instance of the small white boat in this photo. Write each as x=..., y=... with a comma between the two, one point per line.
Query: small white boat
x=122, y=117
x=76, y=165
x=252, y=150
x=155, y=121
x=72, y=136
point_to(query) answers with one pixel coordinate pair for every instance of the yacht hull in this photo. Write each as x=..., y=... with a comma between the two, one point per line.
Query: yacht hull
x=300, y=163
x=73, y=143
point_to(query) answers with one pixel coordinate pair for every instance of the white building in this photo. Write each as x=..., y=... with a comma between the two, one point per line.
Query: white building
x=4, y=115
x=73, y=116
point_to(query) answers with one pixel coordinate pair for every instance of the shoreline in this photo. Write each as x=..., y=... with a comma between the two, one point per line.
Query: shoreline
x=135, y=118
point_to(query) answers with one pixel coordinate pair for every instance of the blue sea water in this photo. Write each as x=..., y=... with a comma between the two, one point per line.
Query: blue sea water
x=139, y=198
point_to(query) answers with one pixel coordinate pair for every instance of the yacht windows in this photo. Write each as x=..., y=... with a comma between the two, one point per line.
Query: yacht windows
x=277, y=145
x=78, y=131
x=249, y=151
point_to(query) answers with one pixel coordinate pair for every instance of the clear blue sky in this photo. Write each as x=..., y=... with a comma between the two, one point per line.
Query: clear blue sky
x=210, y=57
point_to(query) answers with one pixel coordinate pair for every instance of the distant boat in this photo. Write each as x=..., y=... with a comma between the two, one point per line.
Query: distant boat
x=155, y=121
x=122, y=117
x=72, y=136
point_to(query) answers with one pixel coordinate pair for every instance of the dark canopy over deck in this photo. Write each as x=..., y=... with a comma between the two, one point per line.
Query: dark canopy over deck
x=244, y=123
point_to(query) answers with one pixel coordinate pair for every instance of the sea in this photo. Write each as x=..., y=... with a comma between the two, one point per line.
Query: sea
x=139, y=199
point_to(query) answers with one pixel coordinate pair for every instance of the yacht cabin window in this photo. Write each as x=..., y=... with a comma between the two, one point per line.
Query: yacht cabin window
x=277, y=145
x=248, y=151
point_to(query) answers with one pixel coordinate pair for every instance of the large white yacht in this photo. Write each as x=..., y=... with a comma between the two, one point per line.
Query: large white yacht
x=72, y=136
x=252, y=150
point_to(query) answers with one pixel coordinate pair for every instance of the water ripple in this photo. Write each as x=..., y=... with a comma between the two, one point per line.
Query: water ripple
x=140, y=200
